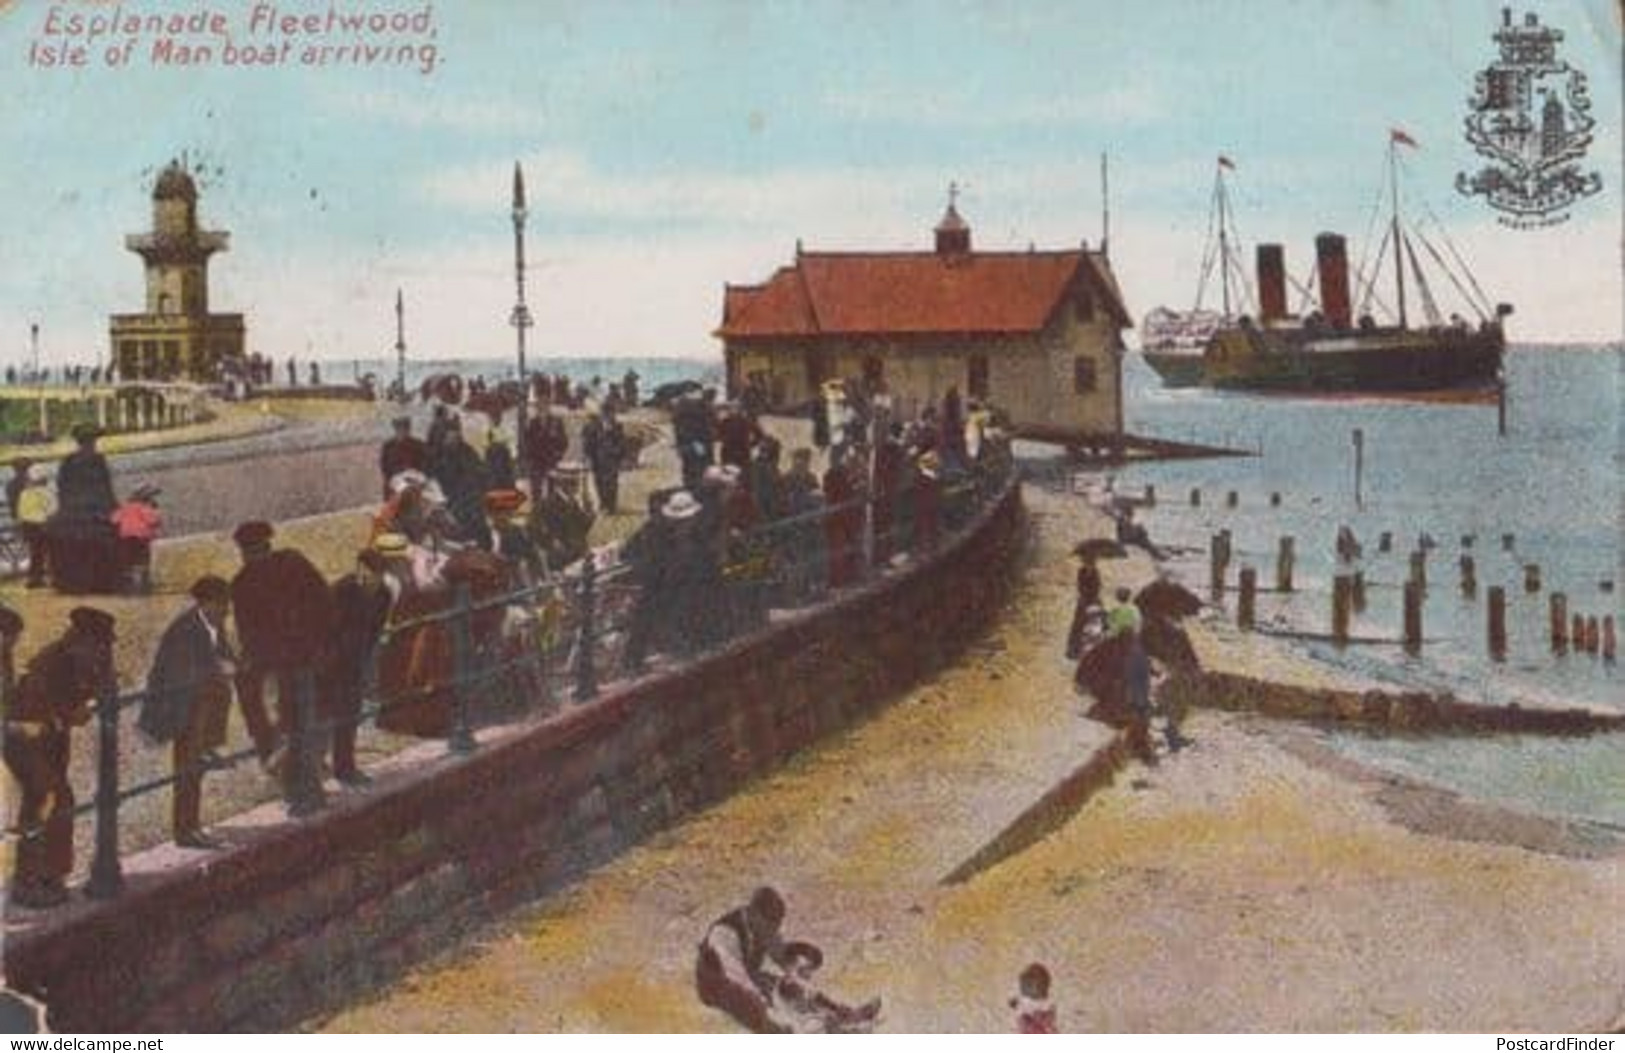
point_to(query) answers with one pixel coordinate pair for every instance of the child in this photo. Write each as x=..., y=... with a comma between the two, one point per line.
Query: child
x=1035, y=1013
x=799, y=1008
x=138, y=522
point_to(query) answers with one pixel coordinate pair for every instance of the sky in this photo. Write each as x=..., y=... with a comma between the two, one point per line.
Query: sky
x=670, y=147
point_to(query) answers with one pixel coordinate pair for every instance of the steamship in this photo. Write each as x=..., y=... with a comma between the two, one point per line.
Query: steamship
x=1331, y=349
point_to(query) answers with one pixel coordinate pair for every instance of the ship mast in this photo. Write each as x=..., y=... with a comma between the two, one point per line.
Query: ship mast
x=1399, y=259
x=1224, y=240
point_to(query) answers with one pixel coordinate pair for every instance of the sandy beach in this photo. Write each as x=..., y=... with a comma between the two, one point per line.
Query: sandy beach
x=1257, y=882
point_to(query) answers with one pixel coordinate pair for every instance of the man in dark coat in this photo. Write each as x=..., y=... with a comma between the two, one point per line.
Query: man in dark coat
x=461, y=474
x=402, y=451
x=53, y=697
x=188, y=699
x=361, y=603
x=737, y=435
x=83, y=540
x=499, y=466
x=285, y=625
x=692, y=432
x=649, y=553
x=603, y=442
x=545, y=442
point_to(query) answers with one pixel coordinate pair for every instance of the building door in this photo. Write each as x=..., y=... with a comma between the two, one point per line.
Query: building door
x=976, y=379
x=817, y=371
x=874, y=371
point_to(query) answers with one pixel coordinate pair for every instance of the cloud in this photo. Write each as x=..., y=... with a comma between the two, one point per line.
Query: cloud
x=1121, y=105
x=440, y=111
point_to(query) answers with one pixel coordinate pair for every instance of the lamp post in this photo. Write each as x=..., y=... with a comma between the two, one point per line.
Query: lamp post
x=400, y=348
x=520, y=318
x=39, y=379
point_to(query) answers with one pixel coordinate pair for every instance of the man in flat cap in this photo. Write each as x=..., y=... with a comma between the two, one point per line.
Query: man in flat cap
x=54, y=696
x=361, y=605
x=285, y=625
x=603, y=442
x=188, y=699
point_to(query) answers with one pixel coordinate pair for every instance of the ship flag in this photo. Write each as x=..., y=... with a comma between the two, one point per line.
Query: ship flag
x=1398, y=135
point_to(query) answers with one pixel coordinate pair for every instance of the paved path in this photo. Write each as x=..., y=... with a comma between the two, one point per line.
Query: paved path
x=305, y=468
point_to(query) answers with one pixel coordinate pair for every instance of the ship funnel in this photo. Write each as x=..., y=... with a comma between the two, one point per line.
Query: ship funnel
x=1271, y=283
x=1331, y=253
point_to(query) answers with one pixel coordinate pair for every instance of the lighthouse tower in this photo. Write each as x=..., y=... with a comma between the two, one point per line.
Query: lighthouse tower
x=176, y=338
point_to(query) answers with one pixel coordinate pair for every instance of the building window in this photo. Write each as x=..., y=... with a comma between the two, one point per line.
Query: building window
x=1084, y=379
x=165, y=303
x=976, y=380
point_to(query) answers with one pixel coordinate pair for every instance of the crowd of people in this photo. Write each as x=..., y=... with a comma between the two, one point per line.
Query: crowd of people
x=298, y=655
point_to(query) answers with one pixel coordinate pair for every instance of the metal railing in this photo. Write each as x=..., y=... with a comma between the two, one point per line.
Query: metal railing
x=568, y=636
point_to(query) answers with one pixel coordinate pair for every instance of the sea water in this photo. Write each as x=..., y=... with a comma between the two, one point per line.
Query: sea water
x=1553, y=482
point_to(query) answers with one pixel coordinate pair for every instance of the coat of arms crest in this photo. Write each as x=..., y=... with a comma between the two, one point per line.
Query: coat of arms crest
x=1531, y=116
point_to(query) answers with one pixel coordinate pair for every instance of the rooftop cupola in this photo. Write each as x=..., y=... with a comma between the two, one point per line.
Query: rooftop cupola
x=953, y=233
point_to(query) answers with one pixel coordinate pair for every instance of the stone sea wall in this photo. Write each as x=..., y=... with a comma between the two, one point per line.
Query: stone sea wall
x=315, y=913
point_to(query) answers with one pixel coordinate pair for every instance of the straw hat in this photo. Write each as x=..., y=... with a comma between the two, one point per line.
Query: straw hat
x=680, y=505
x=390, y=545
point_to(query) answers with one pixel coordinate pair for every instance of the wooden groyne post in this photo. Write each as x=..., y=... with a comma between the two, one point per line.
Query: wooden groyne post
x=1413, y=617
x=1342, y=603
x=1218, y=563
x=1469, y=577
x=1609, y=642
x=1285, y=557
x=1531, y=577
x=1557, y=605
x=1497, y=622
x=1419, y=569
x=1247, y=604
x=1385, y=541
x=1196, y=497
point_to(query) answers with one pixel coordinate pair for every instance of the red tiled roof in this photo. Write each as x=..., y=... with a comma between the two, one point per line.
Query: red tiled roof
x=916, y=293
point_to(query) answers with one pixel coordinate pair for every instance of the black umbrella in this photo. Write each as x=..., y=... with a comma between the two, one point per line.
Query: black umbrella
x=1166, y=600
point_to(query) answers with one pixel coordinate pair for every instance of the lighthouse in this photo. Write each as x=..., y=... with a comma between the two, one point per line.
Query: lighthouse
x=176, y=338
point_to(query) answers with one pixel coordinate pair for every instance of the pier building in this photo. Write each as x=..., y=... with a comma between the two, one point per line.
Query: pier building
x=176, y=338
x=1035, y=333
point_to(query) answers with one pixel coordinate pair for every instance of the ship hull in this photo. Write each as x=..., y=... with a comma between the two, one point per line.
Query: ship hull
x=1376, y=360
x=1178, y=369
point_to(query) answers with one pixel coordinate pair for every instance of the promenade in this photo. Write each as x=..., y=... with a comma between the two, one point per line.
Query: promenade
x=310, y=467
x=1253, y=883
x=1257, y=882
